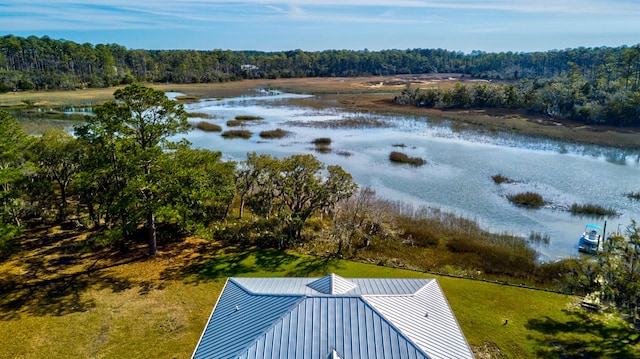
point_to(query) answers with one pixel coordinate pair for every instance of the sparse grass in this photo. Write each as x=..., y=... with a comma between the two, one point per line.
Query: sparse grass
x=527, y=199
x=592, y=210
x=274, y=134
x=400, y=157
x=208, y=126
x=237, y=134
x=498, y=179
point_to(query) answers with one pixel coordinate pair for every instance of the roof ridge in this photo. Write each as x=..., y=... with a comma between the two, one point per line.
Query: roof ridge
x=332, y=284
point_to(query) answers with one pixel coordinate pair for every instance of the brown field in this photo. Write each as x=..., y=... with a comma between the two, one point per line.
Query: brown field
x=367, y=94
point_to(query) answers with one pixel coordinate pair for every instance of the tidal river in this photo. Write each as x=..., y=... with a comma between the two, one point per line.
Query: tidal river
x=457, y=176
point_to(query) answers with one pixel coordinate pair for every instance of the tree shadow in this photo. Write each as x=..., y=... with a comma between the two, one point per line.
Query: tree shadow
x=236, y=261
x=315, y=266
x=49, y=276
x=584, y=336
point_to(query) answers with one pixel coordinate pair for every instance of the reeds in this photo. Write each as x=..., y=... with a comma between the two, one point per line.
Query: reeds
x=274, y=134
x=248, y=118
x=400, y=157
x=207, y=126
x=592, y=210
x=527, y=199
x=633, y=195
x=498, y=179
x=230, y=134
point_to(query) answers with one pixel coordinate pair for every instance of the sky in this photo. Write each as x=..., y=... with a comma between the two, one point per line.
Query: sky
x=316, y=25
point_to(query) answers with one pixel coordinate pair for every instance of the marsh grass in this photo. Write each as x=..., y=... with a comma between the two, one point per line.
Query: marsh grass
x=208, y=126
x=187, y=99
x=400, y=157
x=322, y=141
x=594, y=210
x=344, y=123
x=248, y=118
x=499, y=179
x=200, y=115
x=274, y=134
x=633, y=195
x=234, y=123
x=230, y=134
x=527, y=199
x=344, y=153
x=539, y=238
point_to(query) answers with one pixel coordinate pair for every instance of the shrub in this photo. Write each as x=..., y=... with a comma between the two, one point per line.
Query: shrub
x=592, y=210
x=237, y=134
x=207, y=126
x=403, y=158
x=527, y=199
x=277, y=133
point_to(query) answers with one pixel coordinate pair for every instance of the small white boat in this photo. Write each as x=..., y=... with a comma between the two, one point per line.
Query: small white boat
x=590, y=239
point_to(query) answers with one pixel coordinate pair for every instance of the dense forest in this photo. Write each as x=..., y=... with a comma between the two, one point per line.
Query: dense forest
x=589, y=85
x=45, y=63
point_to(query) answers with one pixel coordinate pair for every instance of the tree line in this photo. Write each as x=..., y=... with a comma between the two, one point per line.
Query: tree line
x=45, y=63
x=596, y=98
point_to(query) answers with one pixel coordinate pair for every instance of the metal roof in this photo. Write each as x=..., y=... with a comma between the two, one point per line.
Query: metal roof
x=301, y=318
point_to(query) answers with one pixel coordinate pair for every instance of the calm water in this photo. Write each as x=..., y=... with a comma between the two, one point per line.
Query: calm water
x=457, y=177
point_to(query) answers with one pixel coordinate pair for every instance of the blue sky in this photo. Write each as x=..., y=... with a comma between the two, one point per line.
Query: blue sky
x=312, y=25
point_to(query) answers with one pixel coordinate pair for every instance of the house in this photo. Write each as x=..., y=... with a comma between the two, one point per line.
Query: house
x=332, y=317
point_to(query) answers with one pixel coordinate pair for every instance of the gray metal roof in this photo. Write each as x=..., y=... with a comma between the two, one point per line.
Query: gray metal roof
x=300, y=318
x=324, y=285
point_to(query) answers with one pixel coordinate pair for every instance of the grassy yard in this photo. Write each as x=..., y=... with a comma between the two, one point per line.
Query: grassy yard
x=58, y=301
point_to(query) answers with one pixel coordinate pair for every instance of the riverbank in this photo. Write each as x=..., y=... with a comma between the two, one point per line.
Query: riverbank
x=366, y=94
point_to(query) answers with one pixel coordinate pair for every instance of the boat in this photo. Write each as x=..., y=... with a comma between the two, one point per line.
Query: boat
x=590, y=239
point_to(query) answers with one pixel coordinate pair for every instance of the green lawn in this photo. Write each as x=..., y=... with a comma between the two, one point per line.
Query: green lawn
x=100, y=306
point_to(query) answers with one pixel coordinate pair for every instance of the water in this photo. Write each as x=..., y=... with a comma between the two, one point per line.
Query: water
x=457, y=177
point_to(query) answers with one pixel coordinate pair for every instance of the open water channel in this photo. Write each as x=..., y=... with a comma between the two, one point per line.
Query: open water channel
x=457, y=176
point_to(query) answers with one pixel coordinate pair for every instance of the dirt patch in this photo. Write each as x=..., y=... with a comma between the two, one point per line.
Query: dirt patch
x=487, y=351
